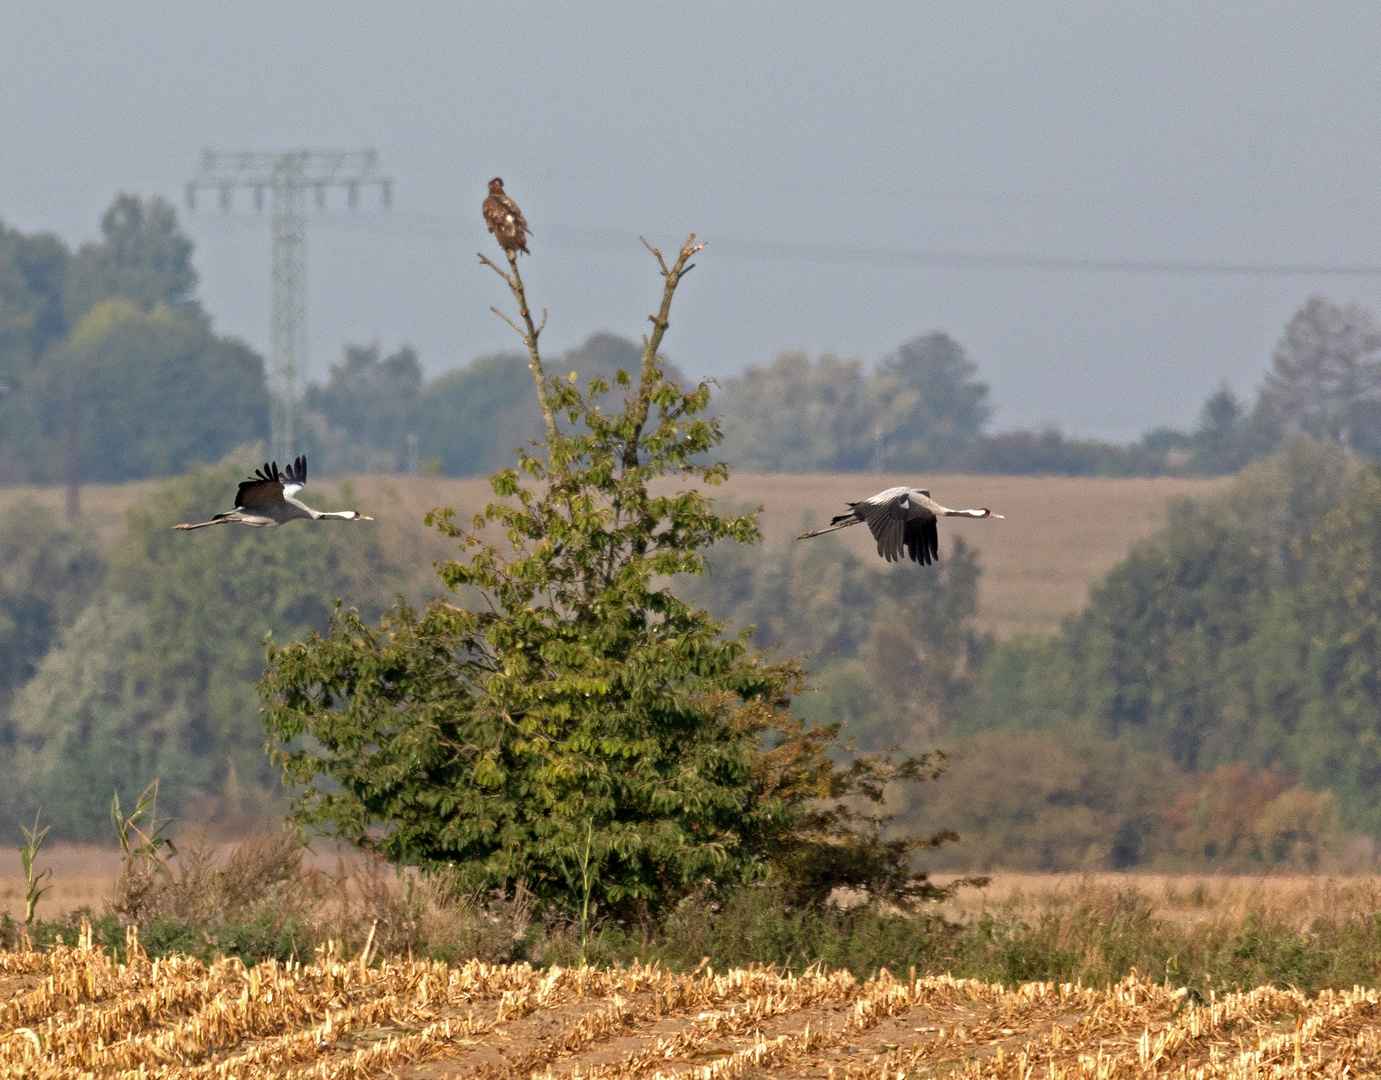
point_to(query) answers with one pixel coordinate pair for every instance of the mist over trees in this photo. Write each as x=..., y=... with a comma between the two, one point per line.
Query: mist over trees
x=109, y=339
x=915, y=410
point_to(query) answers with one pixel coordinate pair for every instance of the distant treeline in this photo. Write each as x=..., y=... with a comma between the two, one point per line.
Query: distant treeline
x=1216, y=703
x=920, y=409
x=110, y=343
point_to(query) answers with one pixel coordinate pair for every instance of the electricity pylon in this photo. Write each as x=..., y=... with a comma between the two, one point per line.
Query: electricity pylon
x=287, y=175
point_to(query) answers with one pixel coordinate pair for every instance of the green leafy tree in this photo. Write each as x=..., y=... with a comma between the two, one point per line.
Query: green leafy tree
x=581, y=729
x=48, y=573
x=1217, y=443
x=109, y=343
x=1337, y=702
x=93, y=719
x=143, y=256
x=917, y=410
x=950, y=408
x=899, y=648
x=1325, y=376
x=155, y=680
x=156, y=390
x=799, y=415
x=1062, y=799
x=32, y=273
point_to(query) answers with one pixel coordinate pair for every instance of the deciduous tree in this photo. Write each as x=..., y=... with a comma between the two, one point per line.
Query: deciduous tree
x=577, y=726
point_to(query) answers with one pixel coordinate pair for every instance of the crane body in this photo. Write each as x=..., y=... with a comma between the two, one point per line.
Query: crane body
x=268, y=498
x=903, y=521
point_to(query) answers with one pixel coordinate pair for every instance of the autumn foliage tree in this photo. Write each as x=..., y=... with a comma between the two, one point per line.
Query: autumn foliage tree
x=562, y=718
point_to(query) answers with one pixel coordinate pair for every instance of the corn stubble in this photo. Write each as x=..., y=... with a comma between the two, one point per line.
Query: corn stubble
x=77, y=1011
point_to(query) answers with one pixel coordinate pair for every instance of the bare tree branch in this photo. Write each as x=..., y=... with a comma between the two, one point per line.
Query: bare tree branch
x=506, y=319
x=671, y=278
x=530, y=336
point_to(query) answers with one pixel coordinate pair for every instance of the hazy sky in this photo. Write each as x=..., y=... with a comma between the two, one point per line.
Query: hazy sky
x=824, y=151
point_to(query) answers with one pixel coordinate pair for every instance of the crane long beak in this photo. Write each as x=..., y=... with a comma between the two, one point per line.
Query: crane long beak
x=995, y=515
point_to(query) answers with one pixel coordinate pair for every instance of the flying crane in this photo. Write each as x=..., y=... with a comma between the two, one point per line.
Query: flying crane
x=267, y=499
x=903, y=522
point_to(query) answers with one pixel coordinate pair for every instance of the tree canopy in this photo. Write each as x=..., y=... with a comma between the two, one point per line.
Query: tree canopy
x=1244, y=632
x=155, y=678
x=110, y=340
x=919, y=408
x=581, y=728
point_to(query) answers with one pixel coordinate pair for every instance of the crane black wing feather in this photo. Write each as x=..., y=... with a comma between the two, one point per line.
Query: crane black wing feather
x=887, y=522
x=261, y=489
x=923, y=539
x=296, y=473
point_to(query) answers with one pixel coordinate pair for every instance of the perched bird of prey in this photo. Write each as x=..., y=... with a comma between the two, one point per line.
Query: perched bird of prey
x=266, y=498
x=901, y=519
x=505, y=220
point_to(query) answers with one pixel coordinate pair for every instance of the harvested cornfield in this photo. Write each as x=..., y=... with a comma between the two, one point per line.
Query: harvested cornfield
x=76, y=1011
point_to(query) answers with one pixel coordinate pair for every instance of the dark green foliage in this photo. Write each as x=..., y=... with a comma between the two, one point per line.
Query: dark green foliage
x=1058, y=799
x=158, y=391
x=48, y=574
x=949, y=409
x=33, y=270
x=110, y=341
x=155, y=679
x=583, y=731
x=143, y=256
x=1218, y=442
x=1050, y=453
x=898, y=645
x=473, y=419
x=1244, y=631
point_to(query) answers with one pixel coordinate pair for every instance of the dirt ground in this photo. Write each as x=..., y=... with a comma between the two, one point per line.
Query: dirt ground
x=74, y=1011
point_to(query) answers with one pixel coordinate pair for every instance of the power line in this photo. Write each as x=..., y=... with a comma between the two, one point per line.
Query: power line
x=572, y=238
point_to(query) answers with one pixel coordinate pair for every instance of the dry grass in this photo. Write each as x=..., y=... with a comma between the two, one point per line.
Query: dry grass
x=1060, y=534
x=1296, y=900
x=74, y=1010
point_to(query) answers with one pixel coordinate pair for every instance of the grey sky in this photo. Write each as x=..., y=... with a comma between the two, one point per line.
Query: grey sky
x=783, y=134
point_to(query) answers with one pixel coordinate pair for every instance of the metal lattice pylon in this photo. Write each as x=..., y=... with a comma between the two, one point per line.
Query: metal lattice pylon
x=287, y=175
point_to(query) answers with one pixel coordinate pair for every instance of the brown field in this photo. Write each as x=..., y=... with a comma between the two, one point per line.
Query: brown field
x=346, y=1012
x=73, y=1010
x=1060, y=534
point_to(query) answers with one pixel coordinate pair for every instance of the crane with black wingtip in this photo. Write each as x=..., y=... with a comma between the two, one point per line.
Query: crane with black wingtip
x=903, y=521
x=268, y=498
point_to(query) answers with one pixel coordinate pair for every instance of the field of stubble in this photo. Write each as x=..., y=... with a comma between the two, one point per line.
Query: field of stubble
x=73, y=1010
x=1059, y=534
